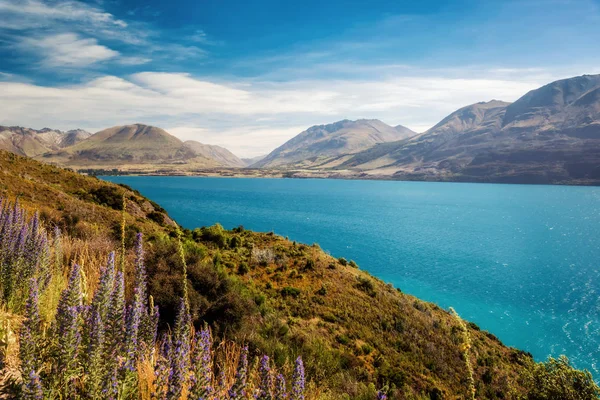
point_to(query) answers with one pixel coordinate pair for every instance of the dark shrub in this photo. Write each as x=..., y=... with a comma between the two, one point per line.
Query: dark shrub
x=290, y=291
x=108, y=196
x=157, y=217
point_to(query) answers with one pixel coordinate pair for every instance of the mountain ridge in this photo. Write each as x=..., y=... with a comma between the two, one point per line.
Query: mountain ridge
x=330, y=140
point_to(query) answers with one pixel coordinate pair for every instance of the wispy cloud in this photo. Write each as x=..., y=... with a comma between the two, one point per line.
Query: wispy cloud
x=27, y=14
x=68, y=50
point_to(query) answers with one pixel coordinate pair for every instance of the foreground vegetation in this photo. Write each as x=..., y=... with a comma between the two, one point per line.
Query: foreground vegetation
x=356, y=334
x=97, y=345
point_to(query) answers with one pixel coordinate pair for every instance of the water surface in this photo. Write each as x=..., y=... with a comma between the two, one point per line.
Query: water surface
x=520, y=261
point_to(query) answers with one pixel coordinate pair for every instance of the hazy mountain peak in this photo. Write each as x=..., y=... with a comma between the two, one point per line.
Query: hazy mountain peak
x=551, y=97
x=218, y=153
x=320, y=142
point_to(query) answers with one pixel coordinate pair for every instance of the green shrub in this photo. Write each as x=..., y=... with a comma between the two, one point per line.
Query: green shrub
x=157, y=217
x=556, y=379
x=366, y=285
x=343, y=261
x=242, y=268
x=290, y=291
x=108, y=196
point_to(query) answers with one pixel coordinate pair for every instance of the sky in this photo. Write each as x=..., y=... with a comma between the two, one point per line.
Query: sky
x=249, y=75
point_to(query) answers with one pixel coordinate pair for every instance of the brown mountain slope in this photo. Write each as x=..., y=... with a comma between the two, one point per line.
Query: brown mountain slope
x=217, y=153
x=31, y=142
x=550, y=135
x=130, y=147
x=322, y=142
x=280, y=297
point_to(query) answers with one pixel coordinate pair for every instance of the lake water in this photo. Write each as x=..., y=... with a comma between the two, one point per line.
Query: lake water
x=520, y=261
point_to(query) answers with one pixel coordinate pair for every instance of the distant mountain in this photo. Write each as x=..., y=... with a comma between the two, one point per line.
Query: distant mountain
x=30, y=142
x=320, y=143
x=217, y=153
x=249, y=161
x=550, y=135
x=139, y=147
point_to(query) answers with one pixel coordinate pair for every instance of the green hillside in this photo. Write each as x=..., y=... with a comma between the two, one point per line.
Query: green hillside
x=355, y=333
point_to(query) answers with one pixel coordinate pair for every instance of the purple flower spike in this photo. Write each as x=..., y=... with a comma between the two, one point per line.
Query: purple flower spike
x=298, y=381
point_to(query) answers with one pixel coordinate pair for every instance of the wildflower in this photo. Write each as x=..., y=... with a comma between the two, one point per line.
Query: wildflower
x=266, y=380
x=67, y=321
x=180, y=357
x=238, y=390
x=201, y=387
x=381, y=395
x=280, y=389
x=115, y=325
x=31, y=332
x=298, y=381
x=162, y=370
x=32, y=390
x=102, y=297
x=95, y=356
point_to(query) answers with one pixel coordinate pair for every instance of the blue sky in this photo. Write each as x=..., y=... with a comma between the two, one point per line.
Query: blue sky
x=251, y=74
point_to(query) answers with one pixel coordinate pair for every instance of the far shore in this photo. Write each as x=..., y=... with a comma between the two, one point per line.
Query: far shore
x=341, y=174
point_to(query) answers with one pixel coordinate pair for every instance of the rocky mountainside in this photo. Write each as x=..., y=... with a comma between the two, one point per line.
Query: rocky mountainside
x=217, y=153
x=30, y=142
x=136, y=147
x=322, y=142
x=550, y=135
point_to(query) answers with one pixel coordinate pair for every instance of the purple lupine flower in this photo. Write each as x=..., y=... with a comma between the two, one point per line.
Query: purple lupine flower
x=238, y=390
x=162, y=370
x=68, y=321
x=298, y=381
x=201, y=387
x=69, y=339
x=381, y=395
x=110, y=383
x=31, y=332
x=139, y=325
x=265, y=387
x=95, y=356
x=131, y=335
x=280, y=388
x=32, y=390
x=102, y=297
x=180, y=357
x=115, y=324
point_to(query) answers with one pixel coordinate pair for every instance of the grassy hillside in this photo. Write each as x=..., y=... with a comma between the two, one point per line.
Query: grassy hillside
x=355, y=333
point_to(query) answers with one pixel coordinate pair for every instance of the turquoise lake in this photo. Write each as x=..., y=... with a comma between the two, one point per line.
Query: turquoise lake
x=520, y=261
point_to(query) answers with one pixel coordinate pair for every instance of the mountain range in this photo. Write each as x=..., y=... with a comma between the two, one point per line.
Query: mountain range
x=30, y=142
x=549, y=135
x=323, y=142
x=130, y=147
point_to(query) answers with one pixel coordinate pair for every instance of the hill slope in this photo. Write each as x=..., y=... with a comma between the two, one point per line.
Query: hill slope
x=550, y=135
x=281, y=297
x=31, y=142
x=341, y=138
x=136, y=146
x=217, y=153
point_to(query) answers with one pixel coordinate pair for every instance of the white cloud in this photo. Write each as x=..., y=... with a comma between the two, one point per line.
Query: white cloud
x=68, y=49
x=27, y=14
x=253, y=117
